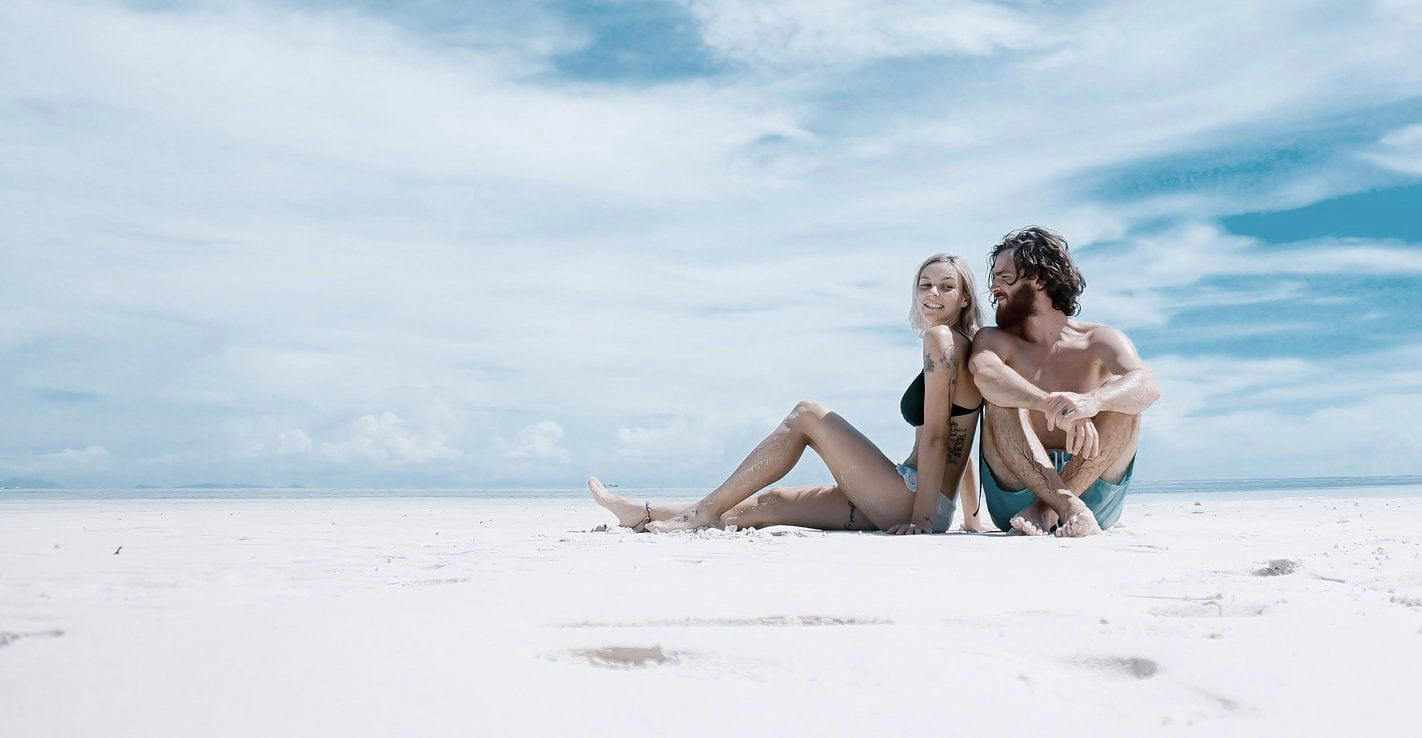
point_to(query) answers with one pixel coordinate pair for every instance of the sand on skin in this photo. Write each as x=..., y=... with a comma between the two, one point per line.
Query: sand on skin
x=442, y=616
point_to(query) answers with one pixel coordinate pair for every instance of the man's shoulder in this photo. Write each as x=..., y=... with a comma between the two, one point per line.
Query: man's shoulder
x=1100, y=334
x=989, y=336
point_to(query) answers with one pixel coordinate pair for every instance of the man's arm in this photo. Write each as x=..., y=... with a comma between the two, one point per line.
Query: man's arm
x=1129, y=391
x=1132, y=388
x=999, y=383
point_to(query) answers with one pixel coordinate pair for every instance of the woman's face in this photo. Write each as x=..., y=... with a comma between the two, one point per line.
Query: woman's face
x=940, y=297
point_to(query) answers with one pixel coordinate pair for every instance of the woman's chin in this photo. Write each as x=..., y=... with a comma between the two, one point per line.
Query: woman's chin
x=935, y=317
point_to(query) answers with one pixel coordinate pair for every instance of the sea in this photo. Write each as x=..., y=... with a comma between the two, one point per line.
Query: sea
x=1300, y=487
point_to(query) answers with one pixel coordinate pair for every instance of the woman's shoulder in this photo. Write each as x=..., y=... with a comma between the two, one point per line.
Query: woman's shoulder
x=942, y=336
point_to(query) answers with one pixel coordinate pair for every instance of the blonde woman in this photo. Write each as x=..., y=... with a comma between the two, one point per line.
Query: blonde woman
x=870, y=492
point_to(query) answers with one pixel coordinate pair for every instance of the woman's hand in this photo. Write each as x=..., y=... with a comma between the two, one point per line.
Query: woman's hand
x=909, y=529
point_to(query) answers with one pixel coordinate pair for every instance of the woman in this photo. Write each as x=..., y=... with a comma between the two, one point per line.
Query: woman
x=870, y=492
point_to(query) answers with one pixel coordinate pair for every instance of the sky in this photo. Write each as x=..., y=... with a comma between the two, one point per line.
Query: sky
x=491, y=244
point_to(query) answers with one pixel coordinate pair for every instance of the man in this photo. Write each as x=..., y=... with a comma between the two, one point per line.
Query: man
x=1063, y=398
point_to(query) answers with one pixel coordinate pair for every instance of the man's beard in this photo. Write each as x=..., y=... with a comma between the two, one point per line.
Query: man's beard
x=1013, y=312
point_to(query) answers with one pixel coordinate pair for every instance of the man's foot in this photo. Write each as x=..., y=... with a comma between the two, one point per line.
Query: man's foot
x=1036, y=520
x=1080, y=522
x=689, y=519
x=630, y=513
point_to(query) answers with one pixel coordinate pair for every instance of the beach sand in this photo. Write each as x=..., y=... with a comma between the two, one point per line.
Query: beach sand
x=433, y=617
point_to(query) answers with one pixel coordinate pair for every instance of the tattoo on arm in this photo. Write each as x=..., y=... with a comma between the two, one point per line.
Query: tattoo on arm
x=957, y=443
x=928, y=364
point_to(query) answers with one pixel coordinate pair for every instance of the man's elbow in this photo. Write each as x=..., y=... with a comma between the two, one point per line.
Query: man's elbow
x=977, y=364
x=1150, y=389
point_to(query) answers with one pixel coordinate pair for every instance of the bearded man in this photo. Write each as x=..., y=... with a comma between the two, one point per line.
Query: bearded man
x=1063, y=397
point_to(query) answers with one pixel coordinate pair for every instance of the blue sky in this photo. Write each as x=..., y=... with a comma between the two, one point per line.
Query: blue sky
x=513, y=244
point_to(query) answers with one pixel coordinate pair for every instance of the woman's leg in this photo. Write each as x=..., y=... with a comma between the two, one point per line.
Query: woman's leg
x=861, y=471
x=823, y=507
x=968, y=499
x=631, y=513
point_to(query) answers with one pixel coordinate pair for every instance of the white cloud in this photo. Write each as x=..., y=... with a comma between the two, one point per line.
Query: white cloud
x=677, y=440
x=294, y=441
x=799, y=32
x=1237, y=417
x=383, y=439
x=270, y=222
x=541, y=441
x=92, y=456
x=380, y=439
x=1134, y=289
x=1399, y=150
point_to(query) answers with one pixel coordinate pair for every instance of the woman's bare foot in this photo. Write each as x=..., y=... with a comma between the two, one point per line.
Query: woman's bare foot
x=1036, y=520
x=973, y=523
x=689, y=519
x=630, y=513
x=1079, y=521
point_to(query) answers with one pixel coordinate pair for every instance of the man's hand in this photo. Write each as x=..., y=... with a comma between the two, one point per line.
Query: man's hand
x=909, y=529
x=1082, y=439
x=1064, y=408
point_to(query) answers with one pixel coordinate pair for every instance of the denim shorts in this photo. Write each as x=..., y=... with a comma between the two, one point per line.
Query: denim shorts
x=943, y=517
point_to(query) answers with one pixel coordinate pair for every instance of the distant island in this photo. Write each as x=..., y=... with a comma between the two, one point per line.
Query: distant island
x=28, y=483
x=216, y=485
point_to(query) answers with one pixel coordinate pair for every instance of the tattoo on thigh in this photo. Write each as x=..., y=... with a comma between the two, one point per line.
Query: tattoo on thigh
x=850, y=524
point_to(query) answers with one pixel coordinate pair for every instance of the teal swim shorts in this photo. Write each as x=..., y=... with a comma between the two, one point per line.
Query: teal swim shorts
x=1103, y=498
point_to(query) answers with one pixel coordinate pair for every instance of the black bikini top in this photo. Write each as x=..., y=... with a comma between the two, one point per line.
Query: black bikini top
x=912, y=403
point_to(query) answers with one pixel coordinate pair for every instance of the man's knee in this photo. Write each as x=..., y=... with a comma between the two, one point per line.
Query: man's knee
x=1005, y=423
x=1107, y=421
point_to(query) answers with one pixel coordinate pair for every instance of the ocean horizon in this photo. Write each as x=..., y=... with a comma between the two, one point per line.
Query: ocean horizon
x=1256, y=488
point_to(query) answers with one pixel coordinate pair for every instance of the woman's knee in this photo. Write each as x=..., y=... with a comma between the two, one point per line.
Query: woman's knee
x=805, y=415
x=758, y=512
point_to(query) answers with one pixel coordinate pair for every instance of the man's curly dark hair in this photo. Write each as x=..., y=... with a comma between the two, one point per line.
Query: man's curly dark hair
x=1042, y=254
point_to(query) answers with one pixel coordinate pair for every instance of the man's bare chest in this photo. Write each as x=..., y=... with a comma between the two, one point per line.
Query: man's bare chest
x=1058, y=368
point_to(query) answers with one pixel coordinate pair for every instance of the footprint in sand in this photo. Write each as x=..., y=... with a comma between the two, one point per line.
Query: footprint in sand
x=1132, y=666
x=627, y=657
x=764, y=621
x=1278, y=568
x=8, y=638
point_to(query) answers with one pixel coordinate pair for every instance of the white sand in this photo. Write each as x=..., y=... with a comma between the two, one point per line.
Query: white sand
x=488, y=618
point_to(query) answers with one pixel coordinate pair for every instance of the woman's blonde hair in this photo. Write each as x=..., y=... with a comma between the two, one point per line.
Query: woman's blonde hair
x=970, y=319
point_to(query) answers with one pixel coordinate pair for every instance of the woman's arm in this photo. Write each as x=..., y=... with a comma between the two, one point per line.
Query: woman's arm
x=940, y=374
x=912, y=459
